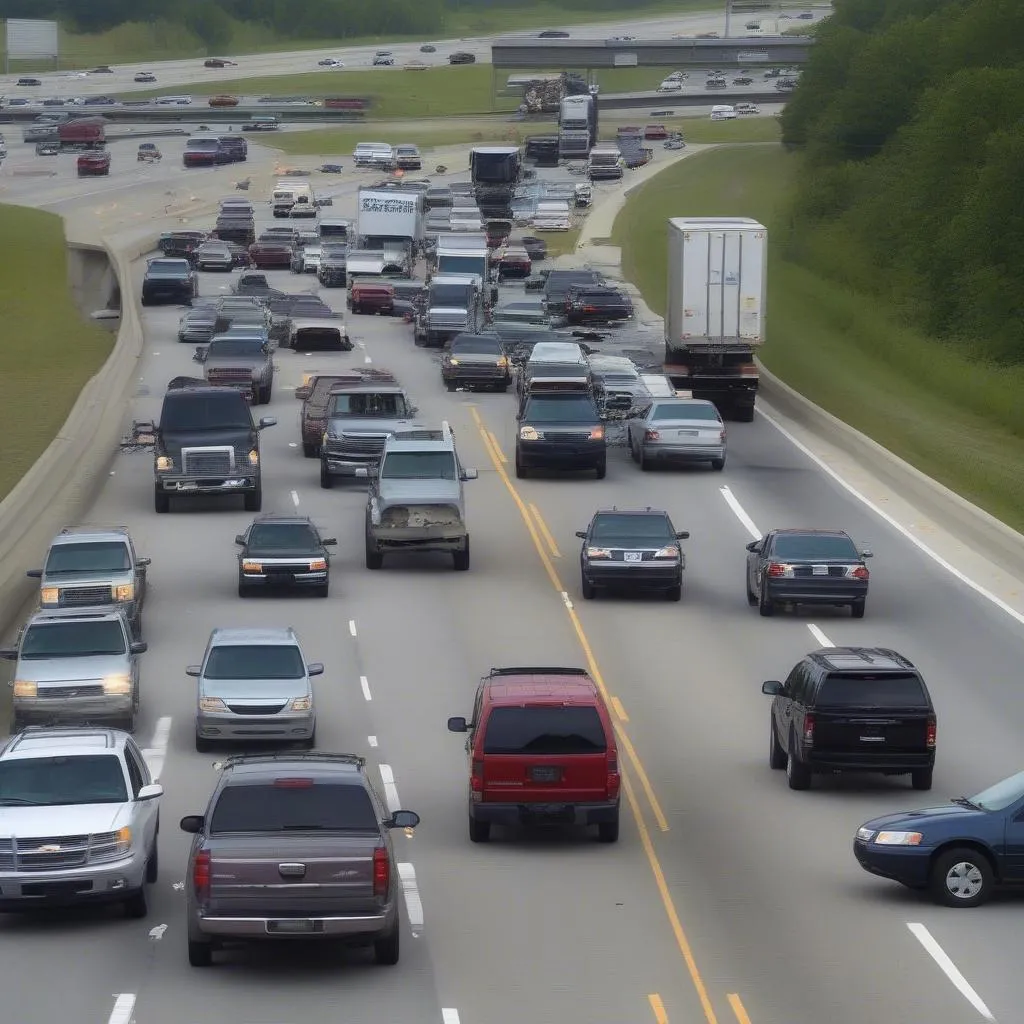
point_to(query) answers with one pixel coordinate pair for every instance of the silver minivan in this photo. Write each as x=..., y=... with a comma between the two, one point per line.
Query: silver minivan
x=254, y=684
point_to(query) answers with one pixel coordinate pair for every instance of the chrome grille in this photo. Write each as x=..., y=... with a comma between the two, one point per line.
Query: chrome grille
x=209, y=462
x=79, y=597
x=70, y=690
x=29, y=854
x=230, y=375
x=567, y=435
x=255, y=709
x=361, y=446
x=446, y=321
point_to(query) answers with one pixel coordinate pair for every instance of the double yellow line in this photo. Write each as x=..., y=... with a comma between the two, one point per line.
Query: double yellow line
x=547, y=549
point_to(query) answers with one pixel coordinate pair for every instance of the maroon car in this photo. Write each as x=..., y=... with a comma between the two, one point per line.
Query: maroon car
x=271, y=256
x=366, y=297
x=93, y=163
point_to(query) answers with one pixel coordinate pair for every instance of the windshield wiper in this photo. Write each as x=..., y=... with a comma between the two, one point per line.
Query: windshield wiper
x=962, y=801
x=20, y=801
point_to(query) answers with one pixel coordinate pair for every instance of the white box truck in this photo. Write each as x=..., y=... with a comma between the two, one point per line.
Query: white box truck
x=715, y=311
x=389, y=215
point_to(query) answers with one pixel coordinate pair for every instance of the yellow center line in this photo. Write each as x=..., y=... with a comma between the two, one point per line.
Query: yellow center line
x=497, y=448
x=619, y=709
x=738, y=1008
x=645, y=836
x=545, y=532
x=658, y=1008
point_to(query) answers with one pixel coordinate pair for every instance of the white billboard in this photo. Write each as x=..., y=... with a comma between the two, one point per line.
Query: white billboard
x=752, y=57
x=29, y=39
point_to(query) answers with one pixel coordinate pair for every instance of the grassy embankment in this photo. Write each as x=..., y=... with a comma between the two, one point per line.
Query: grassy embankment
x=161, y=40
x=49, y=351
x=960, y=422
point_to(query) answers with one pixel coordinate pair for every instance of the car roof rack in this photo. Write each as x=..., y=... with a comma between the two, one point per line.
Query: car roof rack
x=299, y=755
x=94, y=528
x=537, y=670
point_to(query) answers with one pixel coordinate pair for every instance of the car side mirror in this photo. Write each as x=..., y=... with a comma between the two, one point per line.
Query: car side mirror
x=200, y=354
x=150, y=792
x=139, y=647
x=192, y=823
x=239, y=539
x=403, y=819
x=683, y=535
x=302, y=393
x=772, y=687
x=329, y=541
x=867, y=553
x=315, y=668
x=193, y=670
x=470, y=474
x=9, y=654
x=34, y=574
x=754, y=546
x=143, y=562
x=457, y=725
x=268, y=421
x=362, y=472
x=582, y=534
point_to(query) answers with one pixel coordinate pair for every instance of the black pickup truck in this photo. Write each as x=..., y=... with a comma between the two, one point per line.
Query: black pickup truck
x=169, y=279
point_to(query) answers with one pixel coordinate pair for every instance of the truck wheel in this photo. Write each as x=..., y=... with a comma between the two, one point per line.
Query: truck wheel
x=326, y=480
x=460, y=559
x=744, y=414
x=374, y=559
x=718, y=463
x=521, y=471
x=450, y=385
x=674, y=593
x=386, y=949
x=161, y=501
x=479, y=831
x=310, y=451
x=921, y=778
x=254, y=499
x=798, y=773
x=137, y=905
x=608, y=831
x=600, y=469
x=200, y=954
x=588, y=589
x=265, y=394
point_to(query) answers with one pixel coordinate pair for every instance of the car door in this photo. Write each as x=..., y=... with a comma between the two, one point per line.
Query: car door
x=140, y=573
x=756, y=561
x=783, y=706
x=1013, y=845
x=637, y=425
x=145, y=812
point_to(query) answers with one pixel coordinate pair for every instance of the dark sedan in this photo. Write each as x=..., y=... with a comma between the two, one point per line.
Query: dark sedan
x=960, y=852
x=632, y=550
x=476, y=361
x=269, y=256
x=596, y=305
x=791, y=567
x=283, y=552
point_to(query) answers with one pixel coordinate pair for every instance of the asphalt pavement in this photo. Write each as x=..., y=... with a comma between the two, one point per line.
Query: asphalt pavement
x=728, y=900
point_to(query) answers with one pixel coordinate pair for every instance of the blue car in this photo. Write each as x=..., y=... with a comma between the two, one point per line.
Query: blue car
x=960, y=852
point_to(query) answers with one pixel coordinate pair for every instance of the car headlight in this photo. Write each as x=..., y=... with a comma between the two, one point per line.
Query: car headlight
x=669, y=551
x=117, y=686
x=898, y=839
x=212, y=704
x=597, y=434
x=164, y=462
x=302, y=703
x=124, y=592
x=254, y=458
x=865, y=835
x=123, y=843
x=49, y=595
x=529, y=434
x=452, y=362
x=250, y=565
x=25, y=688
x=598, y=553
x=318, y=565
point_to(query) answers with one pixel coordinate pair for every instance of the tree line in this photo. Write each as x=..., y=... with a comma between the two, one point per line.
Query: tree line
x=910, y=116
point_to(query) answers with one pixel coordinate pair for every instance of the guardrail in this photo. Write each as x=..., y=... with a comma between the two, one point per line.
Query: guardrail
x=193, y=114
x=667, y=100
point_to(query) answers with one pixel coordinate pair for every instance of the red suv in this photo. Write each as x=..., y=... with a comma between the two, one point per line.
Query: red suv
x=542, y=752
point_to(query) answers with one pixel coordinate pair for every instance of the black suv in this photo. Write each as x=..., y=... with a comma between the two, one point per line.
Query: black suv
x=236, y=147
x=791, y=567
x=852, y=709
x=635, y=550
x=585, y=305
x=560, y=429
x=558, y=282
x=169, y=279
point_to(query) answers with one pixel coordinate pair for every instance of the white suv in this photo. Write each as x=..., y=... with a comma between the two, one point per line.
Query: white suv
x=79, y=817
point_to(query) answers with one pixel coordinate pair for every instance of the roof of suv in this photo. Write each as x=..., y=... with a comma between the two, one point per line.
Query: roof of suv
x=76, y=614
x=257, y=767
x=47, y=741
x=421, y=440
x=861, y=659
x=77, y=534
x=267, y=636
x=516, y=687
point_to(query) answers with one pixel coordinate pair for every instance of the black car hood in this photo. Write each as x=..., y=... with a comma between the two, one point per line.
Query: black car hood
x=271, y=552
x=177, y=440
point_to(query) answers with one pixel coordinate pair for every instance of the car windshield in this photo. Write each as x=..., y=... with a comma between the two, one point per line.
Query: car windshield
x=59, y=781
x=1002, y=794
x=611, y=528
x=544, y=730
x=684, y=411
x=811, y=546
x=283, y=537
x=295, y=804
x=254, y=661
x=88, y=556
x=457, y=265
x=873, y=690
x=175, y=267
x=561, y=409
x=235, y=348
x=455, y=296
x=488, y=346
x=72, y=639
x=200, y=412
x=419, y=466
x=369, y=404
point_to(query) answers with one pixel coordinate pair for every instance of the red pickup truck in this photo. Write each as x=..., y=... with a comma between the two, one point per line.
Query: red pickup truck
x=367, y=297
x=91, y=164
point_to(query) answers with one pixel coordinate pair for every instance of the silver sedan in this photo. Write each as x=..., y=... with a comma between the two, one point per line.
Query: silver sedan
x=679, y=430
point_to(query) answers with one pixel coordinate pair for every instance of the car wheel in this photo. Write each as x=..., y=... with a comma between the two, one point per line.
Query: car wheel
x=645, y=463
x=588, y=589
x=310, y=742
x=798, y=773
x=310, y=451
x=153, y=865
x=674, y=593
x=244, y=590
x=386, y=950
x=137, y=905
x=450, y=385
x=200, y=954
x=161, y=501
x=776, y=755
x=766, y=606
x=608, y=831
x=323, y=590
x=961, y=877
x=921, y=779
x=265, y=394
x=521, y=471
x=326, y=480
x=253, y=500
x=601, y=469
x=857, y=609
x=745, y=414
x=374, y=558
x=203, y=746
x=718, y=463
x=479, y=831
x=460, y=559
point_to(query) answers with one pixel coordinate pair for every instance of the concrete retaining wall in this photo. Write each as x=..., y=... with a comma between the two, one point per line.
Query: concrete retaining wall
x=92, y=280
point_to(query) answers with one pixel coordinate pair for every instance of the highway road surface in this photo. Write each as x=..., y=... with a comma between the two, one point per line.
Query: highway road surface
x=728, y=900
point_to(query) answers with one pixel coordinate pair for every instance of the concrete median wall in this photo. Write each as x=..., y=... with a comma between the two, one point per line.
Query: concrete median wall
x=92, y=279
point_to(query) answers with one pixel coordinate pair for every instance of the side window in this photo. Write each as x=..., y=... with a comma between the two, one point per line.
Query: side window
x=134, y=771
x=140, y=760
x=478, y=707
x=803, y=685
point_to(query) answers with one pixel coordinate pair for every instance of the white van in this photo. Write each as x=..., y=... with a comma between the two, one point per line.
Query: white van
x=722, y=112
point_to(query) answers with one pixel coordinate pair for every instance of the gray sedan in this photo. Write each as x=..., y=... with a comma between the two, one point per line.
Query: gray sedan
x=677, y=429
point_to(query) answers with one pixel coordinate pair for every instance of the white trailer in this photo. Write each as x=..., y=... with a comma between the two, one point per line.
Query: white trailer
x=389, y=215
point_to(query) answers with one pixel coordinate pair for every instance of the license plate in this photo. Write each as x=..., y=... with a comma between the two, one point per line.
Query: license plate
x=872, y=739
x=687, y=433
x=293, y=927
x=546, y=773
x=819, y=570
x=633, y=556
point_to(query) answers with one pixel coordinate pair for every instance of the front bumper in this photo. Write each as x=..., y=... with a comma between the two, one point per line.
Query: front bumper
x=185, y=486
x=285, y=725
x=345, y=465
x=684, y=452
x=93, y=883
x=368, y=925
x=68, y=709
x=563, y=454
x=215, y=265
x=548, y=813
x=479, y=374
x=418, y=538
x=823, y=590
x=284, y=578
x=635, y=575
x=176, y=294
x=907, y=865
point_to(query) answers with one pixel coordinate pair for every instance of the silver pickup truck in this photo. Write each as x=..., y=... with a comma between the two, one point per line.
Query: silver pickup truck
x=293, y=846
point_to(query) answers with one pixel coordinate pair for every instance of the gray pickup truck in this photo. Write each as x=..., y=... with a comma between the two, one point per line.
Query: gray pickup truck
x=241, y=360
x=293, y=846
x=416, y=501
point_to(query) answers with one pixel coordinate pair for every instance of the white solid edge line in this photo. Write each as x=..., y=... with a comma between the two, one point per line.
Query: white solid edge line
x=413, y=901
x=449, y=1015
x=819, y=635
x=352, y=626
x=124, y=1004
x=365, y=684
x=939, y=955
x=899, y=527
x=387, y=776
x=741, y=513
x=156, y=753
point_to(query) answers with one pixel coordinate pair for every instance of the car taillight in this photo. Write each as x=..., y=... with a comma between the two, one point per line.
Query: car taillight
x=809, y=730
x=476, y=780
x=651, y=435
x=201, y=875
x=777, y=569
x=614, y=780
x=930, y=734
x=721, y=436
x=860, y=573
x=381, y=872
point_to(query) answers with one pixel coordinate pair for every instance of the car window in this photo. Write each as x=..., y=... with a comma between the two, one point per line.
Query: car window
x=58, y=781
x=73, y=639
x=454, y=295
x=283, y=537
x=254, y=661
x=561, y=409
x=489, y=345
x=544, y=730
x=684, y=411
x=869, y=690
x=199, y=412
x=814, y=546
x=611, y=527
x=235, y=347
x=1002, y=794
x=293, y=805
x=134, y=772
x=419, y=466
x=372, y=404
x=89, y=556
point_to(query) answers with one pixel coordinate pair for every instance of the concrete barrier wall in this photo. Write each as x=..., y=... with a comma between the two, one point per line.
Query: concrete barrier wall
x=91, y=278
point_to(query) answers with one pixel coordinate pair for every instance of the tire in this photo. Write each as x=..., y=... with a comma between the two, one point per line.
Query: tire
x=460, y=559
x=921, y=778
x=310, y=743
x=587, y=588
x=326, y=480
x=243, y=590
x=766, y=606
x=203, y=746
x=144, y=301
x=961, y=877
x=153, y=865
x=450, y=385
x=521, y=471
x=776, y=755
x=798, y=774
x=479, y=831
x=501, y=388
x=608, y=831
x=265, y=394
x=386, y=950
x=751, y=596
x=161, y=501
x=136, y=906
x=745, y=414
x=674, y=593
x=200, y=954
x=254, y=500
x=323, y=590
x=644, y=462
x=374, y=558
x=718, y=464
x=601, y=469
x=857, y=609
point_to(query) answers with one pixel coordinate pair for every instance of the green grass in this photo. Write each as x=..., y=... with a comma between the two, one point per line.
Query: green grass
x=49, y=351
x=160, y=40
x=704, y=131
x=958, y=421
x=561, y=243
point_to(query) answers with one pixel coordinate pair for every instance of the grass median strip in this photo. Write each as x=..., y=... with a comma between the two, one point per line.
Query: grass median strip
x=49, y=351
x=954, y=419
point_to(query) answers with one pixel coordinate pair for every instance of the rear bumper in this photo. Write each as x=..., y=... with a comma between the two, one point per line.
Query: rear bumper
x=808, y=591
x=551, y=813
x=684, y=453
x=873, y=761
x=448, y=538
x=909, y=866
x=276, y=928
